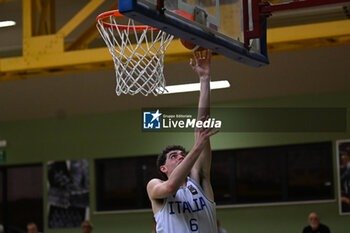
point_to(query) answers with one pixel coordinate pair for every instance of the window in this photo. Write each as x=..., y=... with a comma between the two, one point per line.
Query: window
x=245, y=176
x=121, y=183
x=273, y=174
x=310, y=172
x=23, y=186
x=223, y=176
x=258, y=173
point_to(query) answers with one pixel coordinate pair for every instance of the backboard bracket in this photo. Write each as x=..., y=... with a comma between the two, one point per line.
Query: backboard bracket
x=200, y=16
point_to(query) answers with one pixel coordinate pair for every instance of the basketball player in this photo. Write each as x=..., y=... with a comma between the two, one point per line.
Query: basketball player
x=185, y=201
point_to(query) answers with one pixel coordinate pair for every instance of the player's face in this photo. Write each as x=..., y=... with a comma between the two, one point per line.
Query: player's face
x=173, y=159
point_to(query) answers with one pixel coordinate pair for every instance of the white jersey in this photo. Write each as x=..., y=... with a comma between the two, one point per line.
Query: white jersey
x=187, y=211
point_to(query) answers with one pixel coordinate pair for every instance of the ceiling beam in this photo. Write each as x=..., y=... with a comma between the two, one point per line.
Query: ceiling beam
x=308, y=36
x=29, y=18
x=48, y=55
x=80, y=17
x=88, y=35
x=47, y=22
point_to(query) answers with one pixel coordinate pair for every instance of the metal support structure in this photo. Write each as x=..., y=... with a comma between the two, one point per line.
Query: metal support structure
x=46, y=53
x=309, y=36
x=86, y=37
x=37, y=40
x=160, y=6
x=45, y=9
x=29, y=19
x=262, y=10
x=257, y=19
x=47, y=19
x=268, y=8
x=80, y=17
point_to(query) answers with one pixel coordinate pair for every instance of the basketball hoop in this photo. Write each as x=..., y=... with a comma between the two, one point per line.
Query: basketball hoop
x=138, y=54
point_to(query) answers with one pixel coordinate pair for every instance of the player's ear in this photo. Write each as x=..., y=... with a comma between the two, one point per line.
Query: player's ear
x=163, y=169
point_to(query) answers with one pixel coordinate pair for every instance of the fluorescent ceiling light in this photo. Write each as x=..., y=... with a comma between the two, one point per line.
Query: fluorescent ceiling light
x=7, y=23
x=195, y=87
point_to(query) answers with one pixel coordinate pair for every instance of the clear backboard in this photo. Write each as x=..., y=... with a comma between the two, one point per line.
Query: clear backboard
x=232, y=28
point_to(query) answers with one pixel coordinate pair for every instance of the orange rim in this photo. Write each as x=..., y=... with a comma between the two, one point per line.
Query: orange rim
x=116, y=14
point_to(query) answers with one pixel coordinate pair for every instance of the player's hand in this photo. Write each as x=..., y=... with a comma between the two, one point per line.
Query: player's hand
x=201, y=65
x=203, y=134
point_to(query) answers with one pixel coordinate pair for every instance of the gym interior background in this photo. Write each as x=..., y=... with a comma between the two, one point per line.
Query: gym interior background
x=53, y=111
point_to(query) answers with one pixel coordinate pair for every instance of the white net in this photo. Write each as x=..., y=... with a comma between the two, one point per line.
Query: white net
x=138, y=56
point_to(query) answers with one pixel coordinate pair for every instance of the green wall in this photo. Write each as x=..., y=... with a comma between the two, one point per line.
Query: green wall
x=119, y=134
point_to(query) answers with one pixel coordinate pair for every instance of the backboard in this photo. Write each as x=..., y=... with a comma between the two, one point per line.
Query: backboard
x=232, y=28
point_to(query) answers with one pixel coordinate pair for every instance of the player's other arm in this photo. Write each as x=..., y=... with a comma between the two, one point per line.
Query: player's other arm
x=201, y=169
x=158, y=189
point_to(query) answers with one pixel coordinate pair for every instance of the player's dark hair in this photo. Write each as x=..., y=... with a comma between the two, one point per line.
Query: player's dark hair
x=162, y=156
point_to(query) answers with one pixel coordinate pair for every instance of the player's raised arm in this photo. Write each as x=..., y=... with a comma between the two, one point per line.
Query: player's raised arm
x=201, y=65
x=201, y=169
